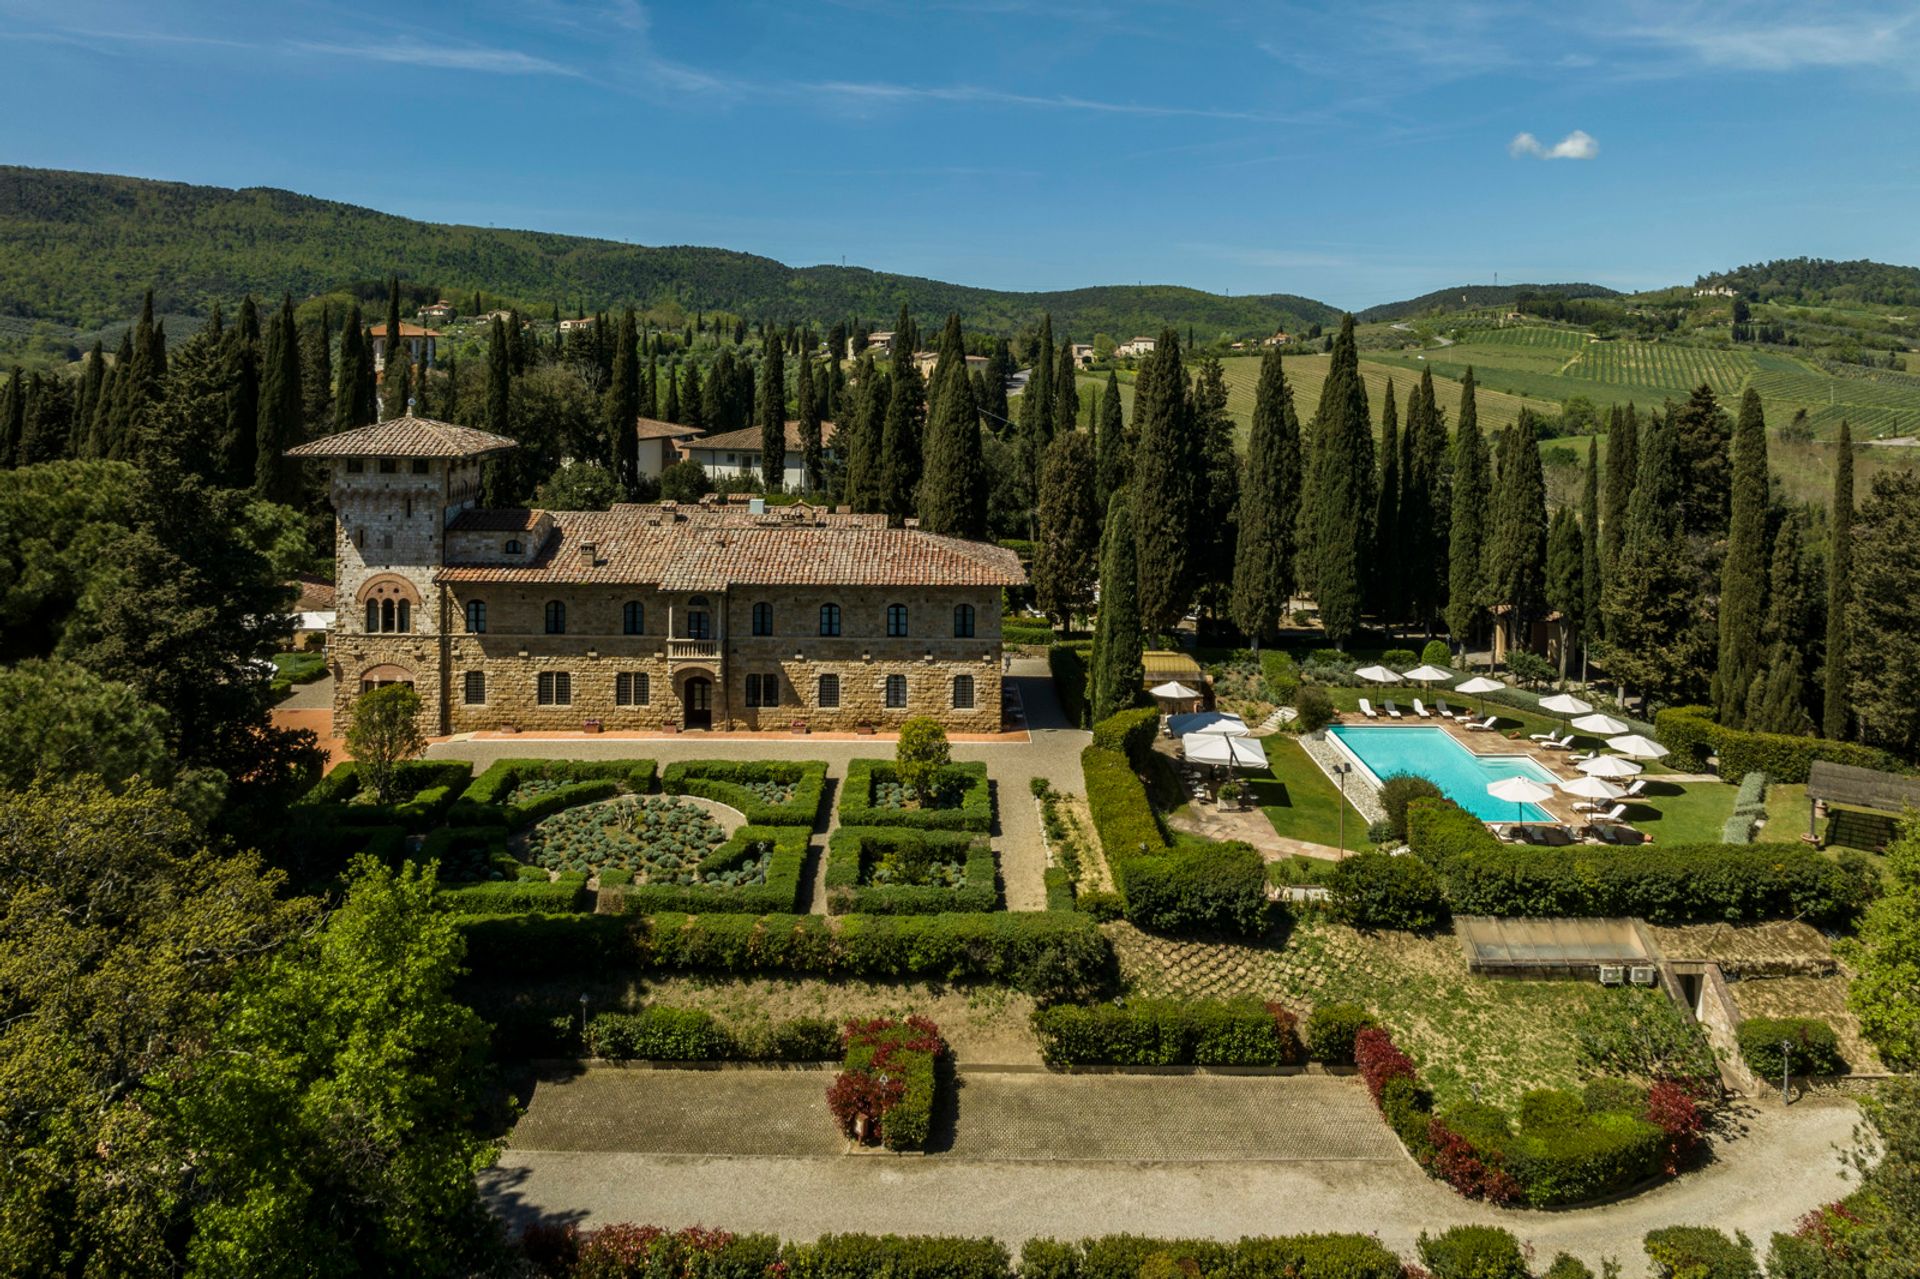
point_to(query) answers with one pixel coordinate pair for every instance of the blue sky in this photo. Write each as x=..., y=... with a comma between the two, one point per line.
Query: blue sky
x=1354, y=152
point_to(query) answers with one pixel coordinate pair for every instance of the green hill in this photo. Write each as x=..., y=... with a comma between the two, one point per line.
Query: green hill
x=1472, y=296
x=78, y=249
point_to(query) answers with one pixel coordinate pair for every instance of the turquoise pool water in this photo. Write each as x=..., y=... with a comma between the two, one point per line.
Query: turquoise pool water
x=1461, y=775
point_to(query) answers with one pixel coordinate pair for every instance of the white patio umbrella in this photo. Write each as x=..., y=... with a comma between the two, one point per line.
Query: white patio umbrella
x=1378, y=674
x=1608, y=766
x=1519, y=790
x=1477, y=685
x=1589, y=787
x=1599, y=725
x=1427, y=674
x=1638, y=747
x=1565, y=704
x=1175, y=691
x=1229, y=752
x=1216, y=723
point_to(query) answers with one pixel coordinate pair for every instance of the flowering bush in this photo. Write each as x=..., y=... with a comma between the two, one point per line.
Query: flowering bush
x=884, y=1095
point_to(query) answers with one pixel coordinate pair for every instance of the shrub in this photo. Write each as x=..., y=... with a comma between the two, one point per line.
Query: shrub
x=1068, y=666
x=854, y=851
x=1812, y=1048
x=1379, y=890
x=921, y=754
x=888, y=1080
x=1195, y=887
x=1285, y=1257
x=1699, y=1252
x=1123, y=819
x=516, y=897
x=1238, y=1032
x=1691, y=733
x=968, y=782
x=1400, y=659
x=1436, y=653
x=1059, y=886
x=897, y=1256
x=1567, y=1266
x=485, y=800
x=1332, y=1029
x=1313, y=708
x=1473, y=1252
x=1672, y=1110
x=785, y=848
x=528, y=945
x=1647, y=1038
x=426, y=789
x=1129, y=732
x=731, y=782
x=1102, y=907
x=1281, y=677
x=659, y=1033
x=1607, y=1096
x=1397, y=792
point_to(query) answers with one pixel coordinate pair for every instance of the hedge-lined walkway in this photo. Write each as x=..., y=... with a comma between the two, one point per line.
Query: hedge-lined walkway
x=1778, y=1165
x=1053, y=753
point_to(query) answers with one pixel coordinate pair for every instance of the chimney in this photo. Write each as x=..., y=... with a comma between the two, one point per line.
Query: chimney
x=587, y=550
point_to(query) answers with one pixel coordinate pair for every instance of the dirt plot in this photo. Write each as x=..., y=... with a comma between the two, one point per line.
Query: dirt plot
x=1822, y=997
x=1496, y=1038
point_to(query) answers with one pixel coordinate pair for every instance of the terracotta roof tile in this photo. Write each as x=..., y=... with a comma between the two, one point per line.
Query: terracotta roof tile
x=405, y=437
x=653, y=429
x=748, y=441
x=510, y=519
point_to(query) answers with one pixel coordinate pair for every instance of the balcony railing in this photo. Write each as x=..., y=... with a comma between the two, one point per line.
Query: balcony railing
x=692, y=649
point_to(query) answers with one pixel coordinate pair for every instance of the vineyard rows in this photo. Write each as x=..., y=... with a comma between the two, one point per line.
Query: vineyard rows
x=1663, y=366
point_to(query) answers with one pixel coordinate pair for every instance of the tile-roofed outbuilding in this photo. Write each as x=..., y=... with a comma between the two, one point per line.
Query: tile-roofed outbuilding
x=405, y=437
x=748, y=440
x=648, y=428
x=631, y=548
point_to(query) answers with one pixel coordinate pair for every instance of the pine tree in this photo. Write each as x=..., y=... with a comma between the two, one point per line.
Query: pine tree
x=1389, y=563
x=1743, y=574
x=1263, y=568
x=1836, y=716
x=1623, y=466
x=1566, y=585
x=1114, y=449
x=1337, y=507
x=1516, y=539
x=953, y=489
x=239, y=461
x=1066, y=558
x=899, y=456
x=1167, y=469
x=812, y=448
x=1118, y=670
x=623, y=407
x=282, y=409
x=1590, y=573
x=316, y=376
x=1467, y=522
x=1777, y=698
x=773, y=417
x=1425, y=494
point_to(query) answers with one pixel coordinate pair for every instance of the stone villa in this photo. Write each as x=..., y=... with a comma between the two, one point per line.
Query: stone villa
x=652, y=616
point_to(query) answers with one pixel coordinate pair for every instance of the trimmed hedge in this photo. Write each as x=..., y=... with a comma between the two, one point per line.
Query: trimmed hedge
x=1379, y=890
x=891, y=1076
x=1147, y=1032
x=895, y=1256
x=660, y=1032
x=1329, y=1256
x=1699, y=1252
x=1814, y=1050
x=1673, y=884
x=1123, y=819
x=432, y=785
x=1129, y=732
x=974, y=812
x=517, y=897
x=485, y=801
x=1068, y=666
x=723, y=781
x=1473, y=1252
x=1691, y=733
x=522, y=945
x=1332, y=1030
x=1059, y=885
x=853, y=851
x=786, y=849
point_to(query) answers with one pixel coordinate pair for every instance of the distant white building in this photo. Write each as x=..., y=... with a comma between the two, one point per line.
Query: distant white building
x=1135, y=347
x=1717, y=291
x=737, y=453
x=1083, y=354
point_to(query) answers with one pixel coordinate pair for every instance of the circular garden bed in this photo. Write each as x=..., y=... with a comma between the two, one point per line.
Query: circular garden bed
x=661, y=839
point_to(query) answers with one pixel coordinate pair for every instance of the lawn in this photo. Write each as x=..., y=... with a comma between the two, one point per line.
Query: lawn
x=297, y=668
x=1787, y=822
x=1299, y=799
x=1694, y=813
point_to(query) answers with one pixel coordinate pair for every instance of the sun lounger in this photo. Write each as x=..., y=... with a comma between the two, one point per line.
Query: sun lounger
x=1547, y=736
x=1553, y=836
x=1638, y=788
x=1485, y=725
x=1366, y=708
x=1615, y=814
x=1446, y=711
x=1617, y=834
x=1558, y=743
x=1393, y=712
x=1421, y=710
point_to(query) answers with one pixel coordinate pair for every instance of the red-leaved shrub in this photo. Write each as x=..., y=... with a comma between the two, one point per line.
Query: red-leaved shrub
x=1673, y=1110
x=1472, y=1172
x=1380, y=1060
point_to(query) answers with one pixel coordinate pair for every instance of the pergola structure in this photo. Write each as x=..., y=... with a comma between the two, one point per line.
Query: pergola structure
x=1883, y=792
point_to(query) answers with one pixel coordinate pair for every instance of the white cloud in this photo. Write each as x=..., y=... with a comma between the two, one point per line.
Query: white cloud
x=882, y=91
x=1578, y=145
x=416, y=54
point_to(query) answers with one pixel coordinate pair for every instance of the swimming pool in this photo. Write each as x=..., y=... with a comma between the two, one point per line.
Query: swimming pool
x=1432, y=753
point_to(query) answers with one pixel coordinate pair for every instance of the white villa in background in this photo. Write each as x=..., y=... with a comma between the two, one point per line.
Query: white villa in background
x=579, y=324
x=1135, y=347
x=660, y=444
x=881, y=341
x=1083, y=354
x=736, y=454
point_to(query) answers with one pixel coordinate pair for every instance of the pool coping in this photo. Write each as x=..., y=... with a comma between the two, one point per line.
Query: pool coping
x=1373, y=778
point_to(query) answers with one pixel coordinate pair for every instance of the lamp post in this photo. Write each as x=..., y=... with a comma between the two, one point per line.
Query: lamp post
x=583, y=1020
x=1340, y=771
x=1786, y=1069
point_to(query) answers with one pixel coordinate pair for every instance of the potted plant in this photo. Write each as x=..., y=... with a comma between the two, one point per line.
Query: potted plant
x=593, y=726
x=801, y=726
x=1230, y=793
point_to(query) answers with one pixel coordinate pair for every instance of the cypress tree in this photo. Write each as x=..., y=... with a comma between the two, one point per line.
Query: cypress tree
x=773, y=417
x=145, y=385
x=1467, y=521
x=670, y=410
x=812, y=447
x=899, y=456
x=1338, y=505
x=13, y=418
x=102, y=438
x=1701, y=430
x=1263, y=569
x=1590, y=576
x=1424, y=495
x=282, y=408
x=1066, y=391
x=953, y=490
x=92, y=378
x=1623, y=465
x=346, y=373
x=1516, y=539
x=1066, y=558
x=623, y=407
x=1167, y=469
x=1115, y=451
x=1118, y=670
x=1777, y=701
x=693, y=400
x=1835, y=714
x=1654, y=640
x=999, y=368
x=649, y=387
x=48, y=422
x=1215, y=524
x=1566, y=579
x=497, y=473
x=239, y=460
x=1036, y=406
x=1743, y=574
x=861, y=437
x=716, y=396
x=316, y=376
x=396, y=382
x=1389, y=563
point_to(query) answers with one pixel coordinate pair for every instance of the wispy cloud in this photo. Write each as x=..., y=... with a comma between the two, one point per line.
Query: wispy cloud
x=444, y=57
x=884, y=91
x=1578, y=145
x=1770, y=37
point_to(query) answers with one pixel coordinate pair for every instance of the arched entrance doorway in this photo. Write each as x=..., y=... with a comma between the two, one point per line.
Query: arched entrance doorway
x=697, y=698
x=380, y=676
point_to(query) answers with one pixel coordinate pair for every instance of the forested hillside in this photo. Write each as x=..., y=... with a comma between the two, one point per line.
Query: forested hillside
x=79, y=249
x=1467, y=296
x=1812, y=280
